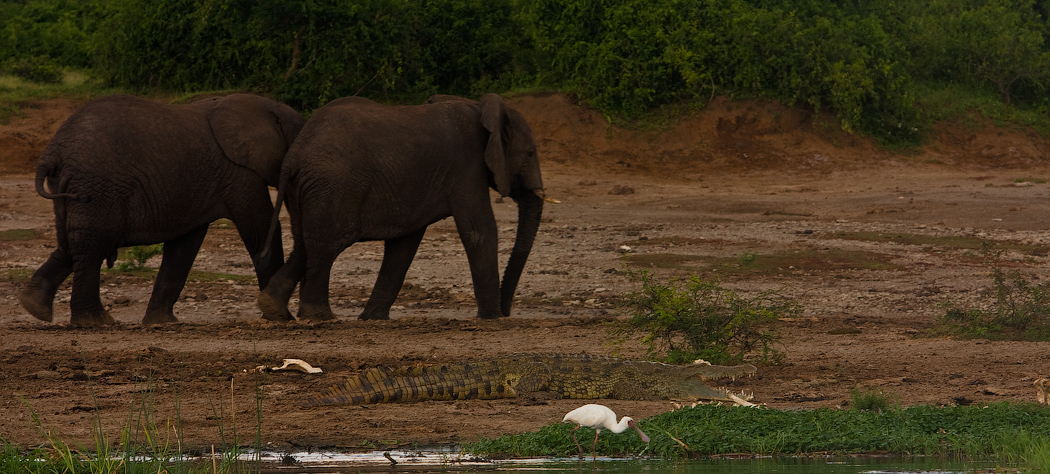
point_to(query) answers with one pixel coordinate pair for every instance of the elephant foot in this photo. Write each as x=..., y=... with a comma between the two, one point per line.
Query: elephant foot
x=37, y=303
x=490, y=314
x=91, y=319
x=374, y=315
x=309, y=312
x=272, y=310
x=159, y=316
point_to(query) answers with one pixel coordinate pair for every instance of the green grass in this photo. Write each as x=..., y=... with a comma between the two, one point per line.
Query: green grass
x=1018, y=433
x=17, y=93
x=777, y=263
x=970, y=106
x=12, y=235
x=210, y=277
x=145, y=444
x=960, y=242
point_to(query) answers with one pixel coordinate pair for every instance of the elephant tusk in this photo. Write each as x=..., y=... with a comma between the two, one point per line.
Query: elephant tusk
x=542, y=195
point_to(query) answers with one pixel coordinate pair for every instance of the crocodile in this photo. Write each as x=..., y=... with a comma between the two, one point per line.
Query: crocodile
x=550, y=375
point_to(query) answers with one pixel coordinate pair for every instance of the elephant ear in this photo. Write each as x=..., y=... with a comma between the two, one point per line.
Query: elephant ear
x=249, y=132
x=493, y=116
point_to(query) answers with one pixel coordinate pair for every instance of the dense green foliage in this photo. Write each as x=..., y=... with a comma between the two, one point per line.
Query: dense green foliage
x=717, y=429
x=682, y=321
x=871, y=64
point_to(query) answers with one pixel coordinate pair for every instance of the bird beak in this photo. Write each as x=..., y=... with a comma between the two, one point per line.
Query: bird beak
x=645, y=439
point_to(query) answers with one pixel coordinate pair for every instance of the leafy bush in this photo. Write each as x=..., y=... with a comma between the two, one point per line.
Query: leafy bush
x=861, y=61
x=137, y=256
x=699, y=319
x=628, y=57
x=310, y=53
x=37, y=69
x=1020, y=311
x=872, y=400
x=57, y=31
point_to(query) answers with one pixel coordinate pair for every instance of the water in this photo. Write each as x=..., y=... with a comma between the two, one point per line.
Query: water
x=438, y=462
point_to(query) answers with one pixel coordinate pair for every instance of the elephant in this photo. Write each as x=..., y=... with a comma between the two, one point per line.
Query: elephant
x=125, y=171
x=362, y=171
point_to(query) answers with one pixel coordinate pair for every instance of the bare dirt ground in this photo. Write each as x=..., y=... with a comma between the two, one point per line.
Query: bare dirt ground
x=736, y=179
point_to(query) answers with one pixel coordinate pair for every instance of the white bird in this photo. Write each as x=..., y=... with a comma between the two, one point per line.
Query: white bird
x=599, y=417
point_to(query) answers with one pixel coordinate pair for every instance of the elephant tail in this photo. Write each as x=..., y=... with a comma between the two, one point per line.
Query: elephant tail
x=275, y=221
x=48, y=169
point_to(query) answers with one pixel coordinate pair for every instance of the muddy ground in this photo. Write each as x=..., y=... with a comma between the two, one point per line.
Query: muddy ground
x=872, y=243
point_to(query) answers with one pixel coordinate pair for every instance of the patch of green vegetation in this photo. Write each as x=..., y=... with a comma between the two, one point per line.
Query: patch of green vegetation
x=11, y=235
x=682, y=321
x=19, y=275
x=874, y=400
x=17, y=93
x=806, y=260
x=973, y=106
x=1020, y=312
x=135, y=258
x=208, y=277
x=147, y=444
x=963, y=242
x=749, y=262
x=1031, y=180
x=706, y=430
x=670, y=261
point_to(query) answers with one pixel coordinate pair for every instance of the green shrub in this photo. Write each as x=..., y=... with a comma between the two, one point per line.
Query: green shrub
x=37, y=69
x=873, y=400
x=1020, y=310
x=697, y=319
x=135, y=258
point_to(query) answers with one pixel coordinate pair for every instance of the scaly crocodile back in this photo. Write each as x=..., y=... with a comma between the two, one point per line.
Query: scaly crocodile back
x=563, y=375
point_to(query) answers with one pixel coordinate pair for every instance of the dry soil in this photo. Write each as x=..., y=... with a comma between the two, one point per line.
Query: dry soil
x=873, y=244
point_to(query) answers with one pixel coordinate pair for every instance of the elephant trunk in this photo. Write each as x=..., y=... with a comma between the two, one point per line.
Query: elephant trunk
x=530, y=208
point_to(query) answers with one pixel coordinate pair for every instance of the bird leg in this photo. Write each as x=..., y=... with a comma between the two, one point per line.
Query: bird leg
x=594, y=448
x=577, y=441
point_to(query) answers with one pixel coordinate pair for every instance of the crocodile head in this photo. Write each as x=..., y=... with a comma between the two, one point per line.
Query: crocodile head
x=690, y=384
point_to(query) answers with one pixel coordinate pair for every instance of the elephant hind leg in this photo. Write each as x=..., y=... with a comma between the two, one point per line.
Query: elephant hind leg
x=273, y=299
x=179, y=254
x=85, y=305
x=313, y=293
x=38, y=296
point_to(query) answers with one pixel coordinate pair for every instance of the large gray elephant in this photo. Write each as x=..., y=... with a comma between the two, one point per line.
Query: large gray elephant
x=363, y=171
x=126, y=171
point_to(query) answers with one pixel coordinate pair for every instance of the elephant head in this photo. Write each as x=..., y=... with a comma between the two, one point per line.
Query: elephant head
x=254, y=132
x=511, y=157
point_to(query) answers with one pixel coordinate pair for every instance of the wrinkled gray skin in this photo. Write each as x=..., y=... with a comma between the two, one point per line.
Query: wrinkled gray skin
x=125, y=171
x=363, y=171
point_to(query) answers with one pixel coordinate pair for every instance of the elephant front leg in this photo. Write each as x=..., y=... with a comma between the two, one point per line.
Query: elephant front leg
x=175, y=266
x=397, y=258
x=38, y=296
x=481, y=243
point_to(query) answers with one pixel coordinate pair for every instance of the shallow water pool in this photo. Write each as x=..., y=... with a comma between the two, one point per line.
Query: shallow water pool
x=438, y=462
